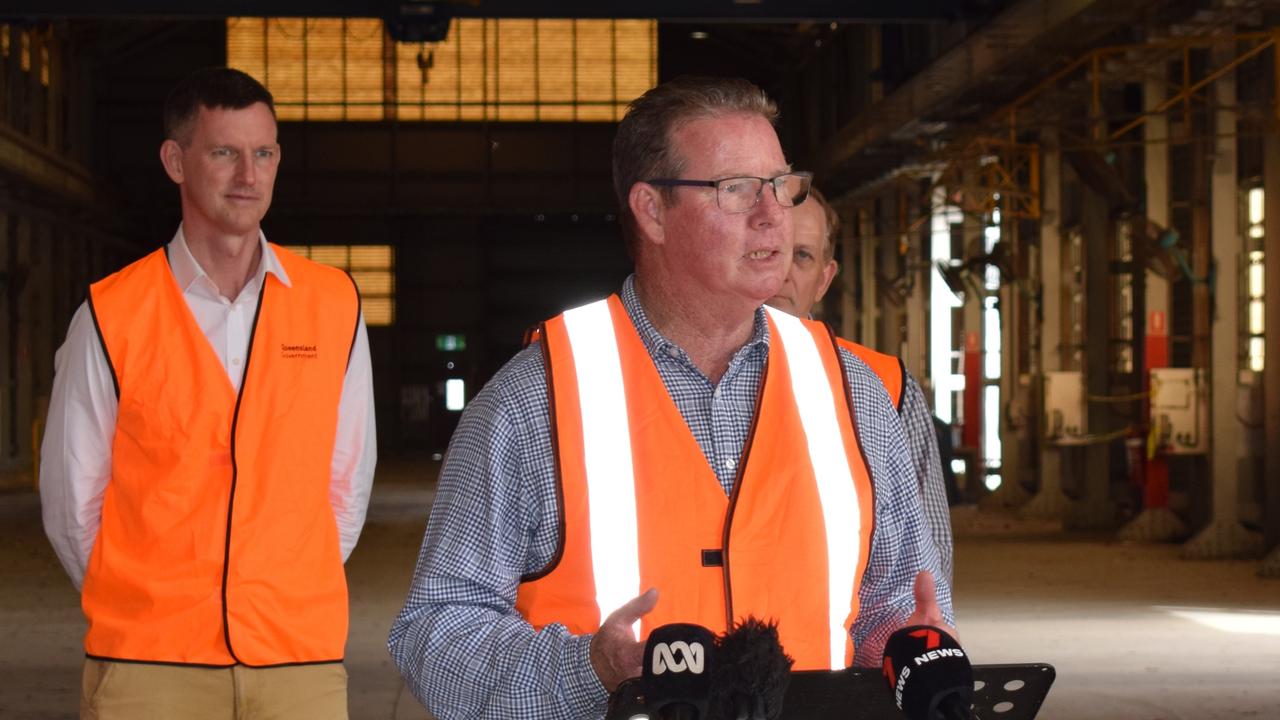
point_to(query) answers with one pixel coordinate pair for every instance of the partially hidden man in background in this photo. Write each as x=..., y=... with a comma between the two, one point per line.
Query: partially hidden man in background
x=674, y=453
x=210, y=445
x=813, y=267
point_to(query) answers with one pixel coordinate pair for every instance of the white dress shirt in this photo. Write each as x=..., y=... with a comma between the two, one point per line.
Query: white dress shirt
x=75, y=459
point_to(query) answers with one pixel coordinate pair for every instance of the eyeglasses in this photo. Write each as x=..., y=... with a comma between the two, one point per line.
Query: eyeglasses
x=740, y=194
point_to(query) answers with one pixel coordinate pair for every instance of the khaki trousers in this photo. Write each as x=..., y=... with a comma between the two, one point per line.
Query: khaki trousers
x=144, y=691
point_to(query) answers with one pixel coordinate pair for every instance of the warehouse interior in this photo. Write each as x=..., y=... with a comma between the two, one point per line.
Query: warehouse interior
x=1063, y=215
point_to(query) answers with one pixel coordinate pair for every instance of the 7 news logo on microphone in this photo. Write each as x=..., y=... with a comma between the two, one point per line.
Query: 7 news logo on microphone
x=931, y=640
x=929, y=674
x=678, y=656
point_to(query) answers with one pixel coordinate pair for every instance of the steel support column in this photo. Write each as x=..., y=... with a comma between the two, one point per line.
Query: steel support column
x=867, y=242
x=889, y=229
x=1271, y=368
x=847, y=282
x=1224, y=537
x=917, y=239
x=1156, y=522
x=1095, y=509
x=973, y=345
x=1049, y=502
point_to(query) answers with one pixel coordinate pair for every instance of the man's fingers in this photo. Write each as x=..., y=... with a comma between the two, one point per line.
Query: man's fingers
x=635, y=608
x=615, y=653
x=925, y=591
x=928, y=612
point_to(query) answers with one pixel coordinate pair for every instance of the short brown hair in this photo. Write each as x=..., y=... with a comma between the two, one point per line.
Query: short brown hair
x=211, y=88
x=642, y=148
x=833, y=224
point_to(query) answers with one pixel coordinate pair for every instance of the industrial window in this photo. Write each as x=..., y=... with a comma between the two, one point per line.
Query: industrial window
x=12, y=38
x=1254, y=285
x=942, y=302
x=993, y=319
x=487, y=69
x=373, y=267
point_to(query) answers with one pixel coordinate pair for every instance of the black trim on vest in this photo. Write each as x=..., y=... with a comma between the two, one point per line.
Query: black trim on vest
x=355, y=332
x=293, y=664
x=129, y=661
x=93, y=313
x=107, y=658
x=235, y=472
x=713, y=557
x=555, y=457
x=902, y=385
x=853, y=419
x=737, y=487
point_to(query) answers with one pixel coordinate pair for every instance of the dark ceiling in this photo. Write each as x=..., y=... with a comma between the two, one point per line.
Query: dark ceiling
x=691, y=10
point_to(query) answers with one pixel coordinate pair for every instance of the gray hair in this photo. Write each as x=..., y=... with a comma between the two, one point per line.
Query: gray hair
x=642, y=148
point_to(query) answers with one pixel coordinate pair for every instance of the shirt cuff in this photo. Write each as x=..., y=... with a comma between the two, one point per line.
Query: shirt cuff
x=583, y=689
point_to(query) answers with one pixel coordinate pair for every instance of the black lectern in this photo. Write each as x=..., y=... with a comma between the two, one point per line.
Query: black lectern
x=1001, y=692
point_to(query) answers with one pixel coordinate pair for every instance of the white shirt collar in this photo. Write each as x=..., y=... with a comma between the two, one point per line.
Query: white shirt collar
x=186, y=269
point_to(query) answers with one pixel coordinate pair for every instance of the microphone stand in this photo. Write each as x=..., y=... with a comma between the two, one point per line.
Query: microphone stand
x=952, y=708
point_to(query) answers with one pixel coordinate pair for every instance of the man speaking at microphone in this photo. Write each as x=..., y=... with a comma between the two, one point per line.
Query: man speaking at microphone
x=673, y=453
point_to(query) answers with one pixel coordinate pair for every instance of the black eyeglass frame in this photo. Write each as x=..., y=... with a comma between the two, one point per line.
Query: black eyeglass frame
x=772, y=182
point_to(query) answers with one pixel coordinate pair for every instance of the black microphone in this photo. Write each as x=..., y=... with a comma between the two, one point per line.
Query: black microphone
x=929, y=674
x=679, y=660
x=751, y=674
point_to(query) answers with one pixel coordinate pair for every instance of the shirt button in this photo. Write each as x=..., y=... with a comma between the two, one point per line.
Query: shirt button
x=730, y=463
x=235, y=361
x=673, y=351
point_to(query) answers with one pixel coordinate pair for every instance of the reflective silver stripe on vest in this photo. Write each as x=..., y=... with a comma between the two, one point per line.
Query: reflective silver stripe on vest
x=840, y=512
x=606, y=440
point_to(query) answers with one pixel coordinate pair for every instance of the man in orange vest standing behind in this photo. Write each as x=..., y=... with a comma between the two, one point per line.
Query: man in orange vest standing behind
x=210, y=445
x=676, y=452
x=813, y=267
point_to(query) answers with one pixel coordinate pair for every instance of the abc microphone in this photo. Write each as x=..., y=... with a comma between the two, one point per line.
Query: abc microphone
x=678, y=663
x=929, y=674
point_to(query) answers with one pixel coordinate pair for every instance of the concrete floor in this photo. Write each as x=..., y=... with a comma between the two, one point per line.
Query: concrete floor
x=1134, y=632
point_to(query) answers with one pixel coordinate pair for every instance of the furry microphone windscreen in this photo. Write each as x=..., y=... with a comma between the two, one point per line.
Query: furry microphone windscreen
x=752, y=673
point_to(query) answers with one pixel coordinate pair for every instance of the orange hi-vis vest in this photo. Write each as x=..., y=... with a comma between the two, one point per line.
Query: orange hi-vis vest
x=641, y=507
x=218, y=544
x=887, y=367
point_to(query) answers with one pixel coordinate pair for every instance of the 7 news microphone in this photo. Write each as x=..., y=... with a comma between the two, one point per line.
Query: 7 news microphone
x=929, y=674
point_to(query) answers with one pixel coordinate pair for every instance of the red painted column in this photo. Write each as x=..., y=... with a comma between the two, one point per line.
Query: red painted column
x=1156, y=490
x=971, y=434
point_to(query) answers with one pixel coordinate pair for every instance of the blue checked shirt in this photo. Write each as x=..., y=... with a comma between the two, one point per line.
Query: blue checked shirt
x=461, y=646
x=922, y=441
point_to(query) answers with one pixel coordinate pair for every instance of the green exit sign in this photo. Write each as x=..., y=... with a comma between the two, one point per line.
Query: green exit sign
x=451, y=343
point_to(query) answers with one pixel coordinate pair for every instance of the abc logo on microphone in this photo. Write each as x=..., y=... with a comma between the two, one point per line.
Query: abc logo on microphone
x=679, y=656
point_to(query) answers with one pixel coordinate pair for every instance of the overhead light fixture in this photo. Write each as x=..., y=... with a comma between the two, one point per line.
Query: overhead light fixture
x=417, y=21
x=699, y=35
